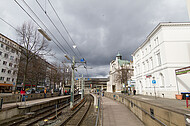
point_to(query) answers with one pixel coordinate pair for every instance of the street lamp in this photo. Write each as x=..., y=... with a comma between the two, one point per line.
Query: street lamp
x=44, y=34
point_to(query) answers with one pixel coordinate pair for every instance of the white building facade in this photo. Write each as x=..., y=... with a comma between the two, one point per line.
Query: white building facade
x=166, y=49
x=115, y=83
x=9, y=60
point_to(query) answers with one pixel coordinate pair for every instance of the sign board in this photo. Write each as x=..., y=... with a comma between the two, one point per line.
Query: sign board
x=184, y=70
x=153, y=81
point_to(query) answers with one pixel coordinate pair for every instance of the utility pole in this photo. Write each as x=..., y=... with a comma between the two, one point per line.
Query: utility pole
x=72, y=83
x=82, y=96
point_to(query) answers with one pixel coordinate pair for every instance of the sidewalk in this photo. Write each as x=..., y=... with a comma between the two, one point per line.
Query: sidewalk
x=172, y=104
x=117, y=114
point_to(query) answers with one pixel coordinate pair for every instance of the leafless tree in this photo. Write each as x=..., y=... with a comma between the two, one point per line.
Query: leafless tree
x=32, y=45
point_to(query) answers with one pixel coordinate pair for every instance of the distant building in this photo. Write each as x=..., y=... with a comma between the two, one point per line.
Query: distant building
x=119, y=75
x=92, y=84
x=165, y=49
x=9, y=60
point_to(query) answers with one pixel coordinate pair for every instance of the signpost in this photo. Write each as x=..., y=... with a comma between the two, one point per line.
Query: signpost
x=154, y=83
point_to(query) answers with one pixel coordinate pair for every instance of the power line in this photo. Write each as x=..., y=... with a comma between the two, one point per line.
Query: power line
x=9, y=24
x=56, y=28
x=62, y=49
x=63, y=26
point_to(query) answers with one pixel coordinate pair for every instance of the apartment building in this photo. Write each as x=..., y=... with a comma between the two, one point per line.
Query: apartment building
x=165, y=49
x=9, y=60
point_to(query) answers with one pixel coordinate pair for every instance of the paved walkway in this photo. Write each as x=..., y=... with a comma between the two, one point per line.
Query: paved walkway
x=117, y=114
x=171, y=104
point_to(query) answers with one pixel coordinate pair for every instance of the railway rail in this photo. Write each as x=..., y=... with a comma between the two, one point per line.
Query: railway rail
x=77, y=116
x=33, y=117
x=50, y=116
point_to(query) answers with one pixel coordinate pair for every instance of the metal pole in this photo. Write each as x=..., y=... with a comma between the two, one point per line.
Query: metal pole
x=82, y=87
x=154, y=91
x=72, y=83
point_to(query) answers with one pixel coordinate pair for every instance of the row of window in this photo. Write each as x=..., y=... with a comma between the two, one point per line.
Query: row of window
x=148, y=48
x=8, y=71
x=149, y=64
x=8, y=42
x=7, y=79
x=7, y=56
x=10, y=64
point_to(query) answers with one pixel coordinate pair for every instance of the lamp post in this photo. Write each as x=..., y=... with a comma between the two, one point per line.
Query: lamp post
x=82, y=96
x=44, y=34
x=72, y=83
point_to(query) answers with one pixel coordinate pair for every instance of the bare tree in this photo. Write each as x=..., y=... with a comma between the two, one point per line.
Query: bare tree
x=32, y=45
x=123, y=74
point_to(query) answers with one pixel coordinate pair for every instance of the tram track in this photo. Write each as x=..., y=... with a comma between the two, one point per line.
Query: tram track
x=77, y=116
x=31, y=118
x=63, y=115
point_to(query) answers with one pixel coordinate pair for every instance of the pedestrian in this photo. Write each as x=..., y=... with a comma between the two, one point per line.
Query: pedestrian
x=23, y=92
x=134, y=92
x=45, y=92
x=114, y=96
x=52, y=92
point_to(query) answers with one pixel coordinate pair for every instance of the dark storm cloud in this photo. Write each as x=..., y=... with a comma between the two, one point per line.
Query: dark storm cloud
x=102, y=28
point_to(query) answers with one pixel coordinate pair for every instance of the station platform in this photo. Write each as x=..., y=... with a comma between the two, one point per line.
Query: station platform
x=30, y=103
x=117, y=114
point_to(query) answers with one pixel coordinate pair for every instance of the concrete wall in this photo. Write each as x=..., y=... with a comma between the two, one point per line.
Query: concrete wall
x=21, y=110
x=17, y=97
x=142, y=110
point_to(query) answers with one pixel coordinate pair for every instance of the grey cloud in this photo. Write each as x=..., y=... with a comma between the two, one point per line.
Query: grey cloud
x=101, y=28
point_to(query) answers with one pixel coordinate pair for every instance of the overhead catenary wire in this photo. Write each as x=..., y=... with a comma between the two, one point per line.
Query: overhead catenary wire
x=44, y=26
x=62, y=49
x=57, y=28
x=9, y=24
x=64, y=27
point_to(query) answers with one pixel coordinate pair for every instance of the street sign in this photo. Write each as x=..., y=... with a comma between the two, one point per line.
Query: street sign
x=153, y=81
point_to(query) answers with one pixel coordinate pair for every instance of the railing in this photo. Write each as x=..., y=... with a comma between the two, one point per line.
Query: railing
x=99, y=117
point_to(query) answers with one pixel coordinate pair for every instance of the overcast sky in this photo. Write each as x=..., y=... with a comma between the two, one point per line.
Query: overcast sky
x=100, y=28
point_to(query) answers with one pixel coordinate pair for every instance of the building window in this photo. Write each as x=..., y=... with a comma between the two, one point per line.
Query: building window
x=2, y=78
x=14, y=72
x=6, y=55
x=10, y=64
x=151, y=63
x=159, y=59
x=13, y=79
x=8, y=79
x=162, y=80
x=3, y=70
x=13, y=51
x=4, y=63
x=9, y=71
x=11, y=57
x=1, y=45
x=7, y=48
x=0, y=53
x=16, y=60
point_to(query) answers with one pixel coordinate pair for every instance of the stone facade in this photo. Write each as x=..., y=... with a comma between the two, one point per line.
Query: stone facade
x=116, y=75
x=166, y=49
